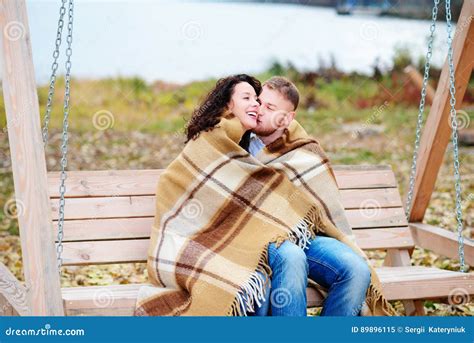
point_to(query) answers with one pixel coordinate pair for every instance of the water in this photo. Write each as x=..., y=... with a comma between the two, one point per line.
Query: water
x=182, y=41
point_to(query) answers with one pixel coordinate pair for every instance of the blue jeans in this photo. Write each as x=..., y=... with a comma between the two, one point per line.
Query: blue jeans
x=328, y=262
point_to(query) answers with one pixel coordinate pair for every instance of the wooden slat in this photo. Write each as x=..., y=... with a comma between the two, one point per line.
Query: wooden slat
x=106, y=207
x=364, y=176
x=437, y=132
x=100, y=252
x=106, y=229
x=387, y=238
x=135, y=250
x=143, y=182
x=441, y=241
x=314, y=298
x=134, y=228
x=144, y=206
x=28, y=161
x=106, y=183
x=413, y=282
x=373, y=218
x=113, y=300
x=370, y=198
x=398, y=283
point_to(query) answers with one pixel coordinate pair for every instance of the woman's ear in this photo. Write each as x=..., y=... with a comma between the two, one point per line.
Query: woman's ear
x=228, y=110
x=230, y=106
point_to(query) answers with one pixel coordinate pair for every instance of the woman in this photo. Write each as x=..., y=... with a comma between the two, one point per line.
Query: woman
x=236, y=94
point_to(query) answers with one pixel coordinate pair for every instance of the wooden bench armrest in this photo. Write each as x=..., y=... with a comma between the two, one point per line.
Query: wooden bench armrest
x=441, y=241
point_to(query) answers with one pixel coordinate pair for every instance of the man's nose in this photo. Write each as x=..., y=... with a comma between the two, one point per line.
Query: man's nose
x=259, y=110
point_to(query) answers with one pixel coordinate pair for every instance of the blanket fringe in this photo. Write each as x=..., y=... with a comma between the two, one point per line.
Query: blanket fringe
x=374, y=296
x=306, y=229
x=314, y=219
x=253, y=291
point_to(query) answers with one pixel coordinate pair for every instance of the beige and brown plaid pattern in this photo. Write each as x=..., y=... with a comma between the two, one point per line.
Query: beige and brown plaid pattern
x=218, y=208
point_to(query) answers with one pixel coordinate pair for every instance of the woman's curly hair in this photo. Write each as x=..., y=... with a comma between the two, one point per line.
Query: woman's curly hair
x=206, y=116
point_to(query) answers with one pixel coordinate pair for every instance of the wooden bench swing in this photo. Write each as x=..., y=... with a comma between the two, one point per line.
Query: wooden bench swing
x=109, y=213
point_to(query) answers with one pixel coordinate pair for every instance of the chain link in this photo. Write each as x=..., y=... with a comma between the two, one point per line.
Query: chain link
x=67, y=93
x=65, y=137
x=421, y=109
x=454, y=125
x=54, y=68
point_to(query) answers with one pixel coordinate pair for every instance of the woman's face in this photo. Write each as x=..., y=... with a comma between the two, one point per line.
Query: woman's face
x=244, y=105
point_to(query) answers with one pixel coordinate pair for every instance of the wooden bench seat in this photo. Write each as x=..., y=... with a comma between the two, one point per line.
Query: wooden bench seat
x=399, y=283
x=109, y=214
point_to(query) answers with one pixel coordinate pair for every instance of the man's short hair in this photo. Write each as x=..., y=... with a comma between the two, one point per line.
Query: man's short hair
x=285, y=87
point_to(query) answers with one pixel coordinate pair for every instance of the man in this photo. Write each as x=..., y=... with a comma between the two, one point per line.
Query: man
x=327, y=261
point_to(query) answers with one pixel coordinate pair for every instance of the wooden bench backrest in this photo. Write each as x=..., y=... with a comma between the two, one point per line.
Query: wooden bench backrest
x=108, y=214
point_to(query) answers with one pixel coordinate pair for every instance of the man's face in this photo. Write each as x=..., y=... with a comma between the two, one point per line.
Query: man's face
x=275, y=113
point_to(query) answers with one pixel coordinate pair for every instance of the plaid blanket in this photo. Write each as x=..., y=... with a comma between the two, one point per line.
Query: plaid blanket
x=217, y=210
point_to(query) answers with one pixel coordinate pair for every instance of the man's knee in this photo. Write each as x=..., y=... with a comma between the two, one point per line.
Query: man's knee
x=358, y=270
x=289, y=255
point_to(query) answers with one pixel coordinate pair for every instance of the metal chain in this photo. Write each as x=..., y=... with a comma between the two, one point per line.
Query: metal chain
x=454, y=125
x=421, y=109
x=64, y=146
x=54, y=68
x=452, y=91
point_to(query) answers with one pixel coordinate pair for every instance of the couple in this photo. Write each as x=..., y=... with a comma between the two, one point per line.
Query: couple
x=248, y=211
